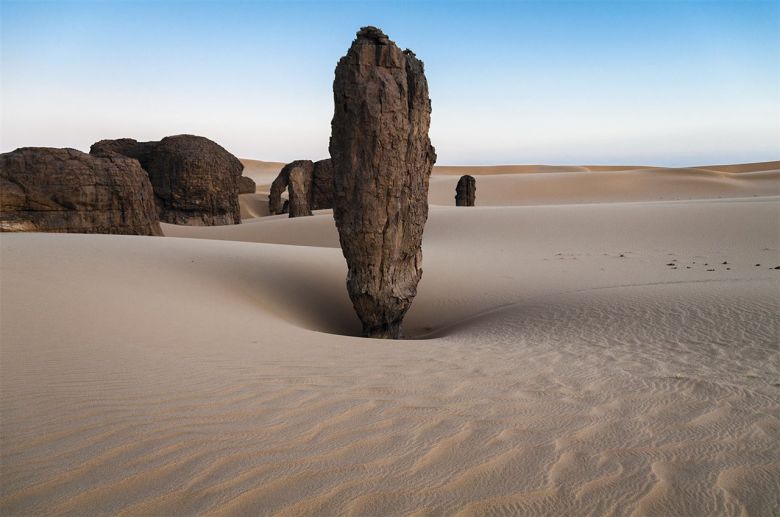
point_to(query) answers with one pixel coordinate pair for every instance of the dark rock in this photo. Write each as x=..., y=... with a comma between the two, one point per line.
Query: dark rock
x=66, y=191
x=195, y=180
x=321, y=196
x=382, y=159
x=246, y=185
x=125, y=146
x=286, y=206
x=278, y=186
x=466, y=191
x=299, y=187
x=318, y=181
x=304, y=170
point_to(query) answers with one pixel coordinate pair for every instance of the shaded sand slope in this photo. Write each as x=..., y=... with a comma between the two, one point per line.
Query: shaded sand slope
x=174, y=376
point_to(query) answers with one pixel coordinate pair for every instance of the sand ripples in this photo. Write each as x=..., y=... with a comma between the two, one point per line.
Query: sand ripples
x=665, y=418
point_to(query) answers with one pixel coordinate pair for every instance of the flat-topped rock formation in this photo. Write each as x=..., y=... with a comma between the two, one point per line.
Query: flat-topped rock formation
x=195, y=180
x=66, y=191
x=466, y=191
x=382, y=159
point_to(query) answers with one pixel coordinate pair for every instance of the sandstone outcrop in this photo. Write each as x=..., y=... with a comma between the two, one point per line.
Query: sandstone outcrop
x=466, y=191
x=316, y=177
x=126, y=146
x=382, y=159
x=299, y=188
x=195, y=180
x=246, y=185
x=66, y=191
x=321, y=196
x=278, y=186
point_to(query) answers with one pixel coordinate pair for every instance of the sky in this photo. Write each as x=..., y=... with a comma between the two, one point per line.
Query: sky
x=558, y=82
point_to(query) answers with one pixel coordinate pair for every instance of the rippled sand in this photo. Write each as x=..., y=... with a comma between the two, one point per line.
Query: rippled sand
x=567, y=359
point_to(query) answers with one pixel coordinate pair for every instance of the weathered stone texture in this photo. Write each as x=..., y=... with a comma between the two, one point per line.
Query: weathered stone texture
x=246, y=185
x=195, y=180
x=466, y=191
x=382, y=159
x=299, y=188
x=66, y=191
x=317, y=177
x=321, y=196
x=278, y=186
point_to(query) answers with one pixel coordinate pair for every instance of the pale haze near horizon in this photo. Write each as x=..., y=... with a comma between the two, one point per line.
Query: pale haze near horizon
x=666, y=83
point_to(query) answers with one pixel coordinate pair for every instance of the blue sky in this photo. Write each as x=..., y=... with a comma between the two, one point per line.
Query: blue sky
x=643, y=82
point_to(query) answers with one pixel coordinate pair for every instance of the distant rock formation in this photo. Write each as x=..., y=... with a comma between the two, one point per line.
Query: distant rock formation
x=316, y=177
x=278, y=186
x=466, y=191
x=195, y=180
x=322, y=185
x=382, y=160
x=299, y=188
x=246, y=185
x=64, y=190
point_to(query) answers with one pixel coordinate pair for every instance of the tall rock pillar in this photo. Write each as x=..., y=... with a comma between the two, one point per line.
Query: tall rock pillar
x=382, y=159
x=466, y=191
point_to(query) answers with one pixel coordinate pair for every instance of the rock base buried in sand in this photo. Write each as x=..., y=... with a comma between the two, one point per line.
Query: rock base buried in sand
x=382, y=160
x=66, y=191
x=466, y=191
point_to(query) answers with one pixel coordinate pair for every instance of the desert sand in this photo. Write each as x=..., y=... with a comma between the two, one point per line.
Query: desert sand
x=585, y=341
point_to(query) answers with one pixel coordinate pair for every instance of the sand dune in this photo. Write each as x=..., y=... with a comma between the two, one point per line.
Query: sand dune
x=480, y=170
x=506, y=185
x=263, y=173
x=569, y=359
x=648, y=184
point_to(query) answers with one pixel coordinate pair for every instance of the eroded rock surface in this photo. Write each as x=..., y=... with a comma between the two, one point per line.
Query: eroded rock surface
x=466, y=191
x=299, y=188
x=66, y=191
x=382, y=159
x=246, y=185
x=278, y=186
x=125, y=146
x=316, y=177
x=195, y=180
x=322, y=185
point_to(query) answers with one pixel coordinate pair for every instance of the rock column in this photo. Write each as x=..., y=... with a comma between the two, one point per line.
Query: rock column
x=466, y=191
x=382, y=158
